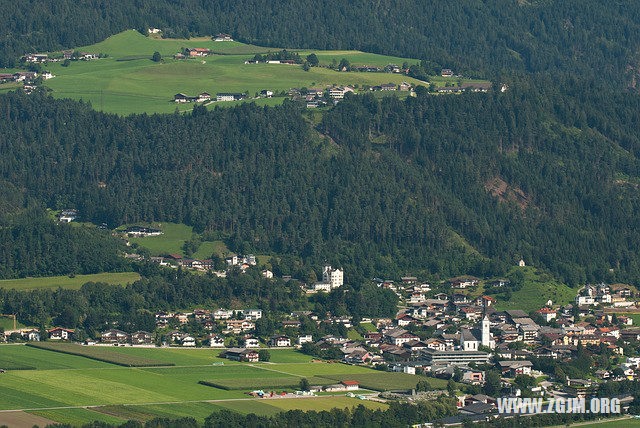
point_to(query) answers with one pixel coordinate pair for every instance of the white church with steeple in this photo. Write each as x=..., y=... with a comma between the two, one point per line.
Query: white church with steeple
x=471, y=339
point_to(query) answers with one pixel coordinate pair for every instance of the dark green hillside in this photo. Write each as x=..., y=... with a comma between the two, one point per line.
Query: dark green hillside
x=462, y=184
x=584, y=37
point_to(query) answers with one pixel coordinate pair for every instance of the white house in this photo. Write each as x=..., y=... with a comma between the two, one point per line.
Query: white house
x=304, y=339
x=279, y=341
x=251, y=342
x=252, y=314
x=216, y=341
x=222, y=314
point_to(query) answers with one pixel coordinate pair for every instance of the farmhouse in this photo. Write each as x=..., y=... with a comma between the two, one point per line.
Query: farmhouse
x=227, y=96
x=35, y=58
x=142, y=231
x=222, y=37
x=388, y=87
x=241, y=354
x=204, y=96
x=446, y=72
x=67, y=216
x=182, y=98
x=194, y=52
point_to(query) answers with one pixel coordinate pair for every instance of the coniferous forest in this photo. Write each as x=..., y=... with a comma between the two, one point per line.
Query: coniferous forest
x=547, y=171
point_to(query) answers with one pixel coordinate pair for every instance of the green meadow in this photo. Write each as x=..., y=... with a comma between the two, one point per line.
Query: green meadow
x=97, y=390
x=129, y=82
x=539, y=287
x=172, y=240
x=75, y=282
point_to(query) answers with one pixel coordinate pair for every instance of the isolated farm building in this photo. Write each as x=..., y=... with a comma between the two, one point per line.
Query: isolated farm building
x=142, y=231
x=446, y=72
x=59, y=333
x=67, y=216
x=476, y=87
x=114, y=336
x=141, y=338
x=228, y=96
x=193, y=52
x=241, y=354
x=266, y=93
x=345, y=385
x=279, y=341
x=222, y=37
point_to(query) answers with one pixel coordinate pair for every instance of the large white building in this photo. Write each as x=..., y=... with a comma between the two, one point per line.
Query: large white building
x=335, y=277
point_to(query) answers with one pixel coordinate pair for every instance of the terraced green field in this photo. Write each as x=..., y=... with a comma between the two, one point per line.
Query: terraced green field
x=115, y=278
x=129, y=82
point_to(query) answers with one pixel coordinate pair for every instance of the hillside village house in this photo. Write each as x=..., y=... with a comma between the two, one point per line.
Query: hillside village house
x=216, y=341
x=338, y=92
x=141, y=338
x=252, y=314
x=304, y=339
x=114, y=336
x=239, y=326
x=60, y=333
x=251, y=342
x=279, y=342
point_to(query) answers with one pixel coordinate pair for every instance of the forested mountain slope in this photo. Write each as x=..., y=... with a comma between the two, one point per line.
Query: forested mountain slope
x=548, y=172
x=585, y=37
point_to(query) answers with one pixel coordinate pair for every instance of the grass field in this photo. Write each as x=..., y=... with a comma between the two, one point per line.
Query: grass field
x=285, y=382
x=539, y=287
x=100, y=353
x=114, y=393
x=116, y=278
x=20, y=356
x=173, y=238
x=141, y=85
x=382, y=381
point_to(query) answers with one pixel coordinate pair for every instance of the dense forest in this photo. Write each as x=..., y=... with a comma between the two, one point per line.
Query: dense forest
x=31, y=244
x=444, y=185
x=585, y=37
